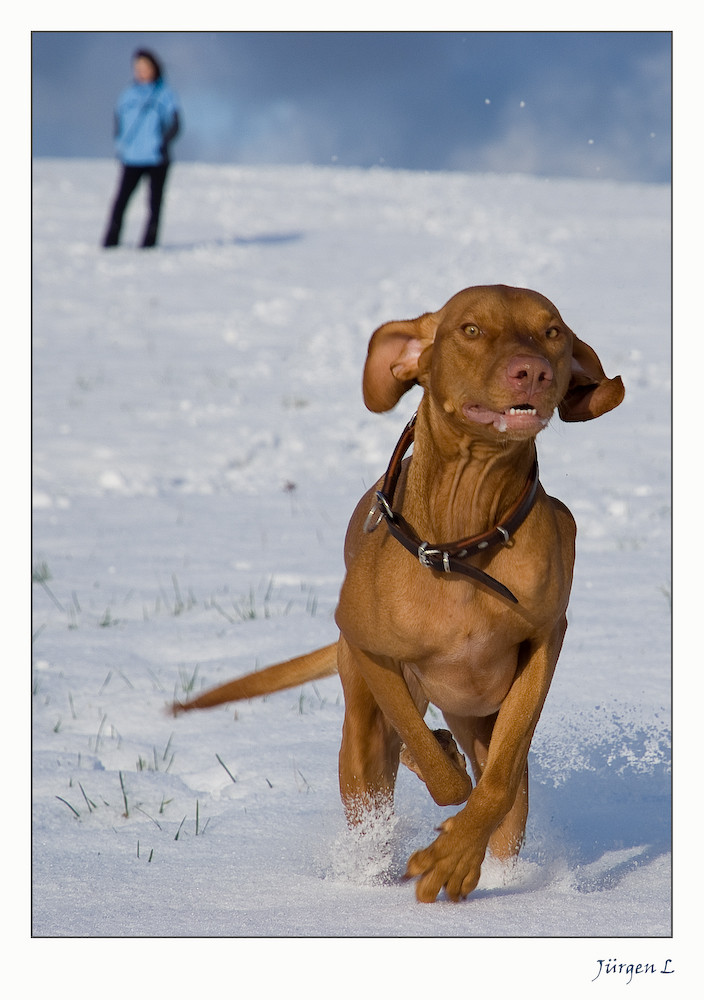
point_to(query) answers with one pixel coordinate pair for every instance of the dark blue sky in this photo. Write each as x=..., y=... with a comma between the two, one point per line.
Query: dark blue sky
x=581, y=104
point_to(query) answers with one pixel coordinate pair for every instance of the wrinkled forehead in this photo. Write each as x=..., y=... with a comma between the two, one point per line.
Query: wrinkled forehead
x=498, y=305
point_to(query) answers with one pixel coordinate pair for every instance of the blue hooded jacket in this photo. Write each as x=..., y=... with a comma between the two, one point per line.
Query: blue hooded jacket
x=146, y=120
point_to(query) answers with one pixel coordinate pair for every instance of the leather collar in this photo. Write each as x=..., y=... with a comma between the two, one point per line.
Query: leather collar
x=449, y=557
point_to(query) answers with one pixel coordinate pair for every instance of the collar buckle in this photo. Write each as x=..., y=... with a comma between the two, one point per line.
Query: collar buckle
x=426, y=556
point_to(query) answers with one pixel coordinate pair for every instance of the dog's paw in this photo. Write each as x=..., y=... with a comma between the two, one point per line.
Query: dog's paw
x=449, y=863
x=446, y=741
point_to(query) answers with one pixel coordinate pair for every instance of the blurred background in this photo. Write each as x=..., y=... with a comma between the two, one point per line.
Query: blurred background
x=572, y=104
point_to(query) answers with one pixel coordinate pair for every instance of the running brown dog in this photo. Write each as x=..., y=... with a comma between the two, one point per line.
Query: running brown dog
x=473, y=626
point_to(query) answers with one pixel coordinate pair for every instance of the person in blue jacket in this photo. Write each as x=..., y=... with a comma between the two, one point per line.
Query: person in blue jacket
x=146, y=121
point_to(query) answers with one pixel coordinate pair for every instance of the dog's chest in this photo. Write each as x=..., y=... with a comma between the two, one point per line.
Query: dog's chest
x=470, y=685
x=463, y=658
x=461, y=645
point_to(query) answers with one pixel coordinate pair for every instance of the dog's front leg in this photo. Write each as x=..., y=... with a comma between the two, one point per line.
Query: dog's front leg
x=453, y=861
x=379, y=709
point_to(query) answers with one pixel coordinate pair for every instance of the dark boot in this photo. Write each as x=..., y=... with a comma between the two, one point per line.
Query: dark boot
x=112, y=236
x=149, y=238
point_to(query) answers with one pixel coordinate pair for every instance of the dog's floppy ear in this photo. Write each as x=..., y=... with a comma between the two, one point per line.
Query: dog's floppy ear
x=392, y=365
x=590, y=392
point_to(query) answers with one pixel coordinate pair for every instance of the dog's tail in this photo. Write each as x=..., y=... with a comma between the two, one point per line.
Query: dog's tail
x=290, y=673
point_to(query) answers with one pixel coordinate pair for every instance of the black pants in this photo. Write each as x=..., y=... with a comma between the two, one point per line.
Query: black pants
x=131, y=177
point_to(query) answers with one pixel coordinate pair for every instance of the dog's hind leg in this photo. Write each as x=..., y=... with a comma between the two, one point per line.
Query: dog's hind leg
x=369, y=751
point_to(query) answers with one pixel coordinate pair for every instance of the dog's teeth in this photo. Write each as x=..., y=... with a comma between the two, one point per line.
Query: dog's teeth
x=513, y=411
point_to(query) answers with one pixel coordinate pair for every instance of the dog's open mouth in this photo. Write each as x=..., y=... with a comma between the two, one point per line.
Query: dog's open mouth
x=522, y=417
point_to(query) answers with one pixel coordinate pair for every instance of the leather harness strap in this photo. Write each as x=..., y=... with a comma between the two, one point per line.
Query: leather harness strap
x=450, y=557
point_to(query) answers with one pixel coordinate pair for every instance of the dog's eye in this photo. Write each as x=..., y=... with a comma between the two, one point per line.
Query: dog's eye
x=552, y=334
x=471, y=330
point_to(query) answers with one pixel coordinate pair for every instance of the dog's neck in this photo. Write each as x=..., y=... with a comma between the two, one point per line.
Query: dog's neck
x=460, y=483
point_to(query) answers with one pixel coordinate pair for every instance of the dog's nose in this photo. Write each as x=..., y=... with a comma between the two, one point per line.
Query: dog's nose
x=530, y=374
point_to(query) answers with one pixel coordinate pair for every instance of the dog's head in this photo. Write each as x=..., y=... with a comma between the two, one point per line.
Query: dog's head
x=497, y=359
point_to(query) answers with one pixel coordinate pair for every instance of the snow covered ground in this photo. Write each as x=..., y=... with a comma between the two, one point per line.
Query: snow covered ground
x=199, y=444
